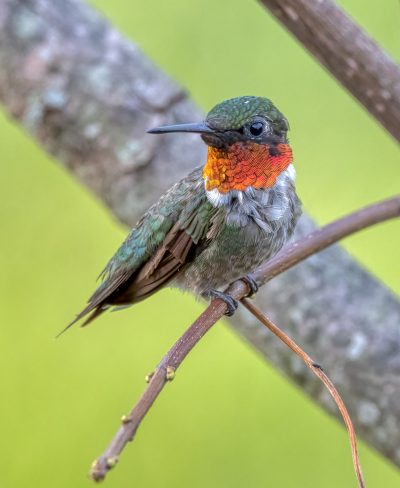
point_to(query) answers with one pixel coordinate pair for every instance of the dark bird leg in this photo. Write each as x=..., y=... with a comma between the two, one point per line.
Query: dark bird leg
x=251, y=283
x=231, y=303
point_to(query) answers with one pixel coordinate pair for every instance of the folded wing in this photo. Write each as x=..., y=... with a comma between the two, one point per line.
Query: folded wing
x=164, y=240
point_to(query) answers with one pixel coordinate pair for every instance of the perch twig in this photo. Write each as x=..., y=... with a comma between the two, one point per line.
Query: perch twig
x=318, y=371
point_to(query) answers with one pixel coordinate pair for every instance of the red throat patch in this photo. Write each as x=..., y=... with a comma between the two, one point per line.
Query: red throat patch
x=243, y=165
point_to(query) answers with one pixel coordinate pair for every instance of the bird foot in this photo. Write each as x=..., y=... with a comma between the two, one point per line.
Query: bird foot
x=231, y=303
x=251, y=283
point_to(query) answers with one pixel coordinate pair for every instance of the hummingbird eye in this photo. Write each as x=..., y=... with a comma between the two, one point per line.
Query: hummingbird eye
x=256, y=128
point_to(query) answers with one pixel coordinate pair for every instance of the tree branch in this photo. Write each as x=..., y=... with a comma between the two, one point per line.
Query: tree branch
x=291, y=255
x=320, y=373
x=322, y=238
x=347, y=52
x=88, y=95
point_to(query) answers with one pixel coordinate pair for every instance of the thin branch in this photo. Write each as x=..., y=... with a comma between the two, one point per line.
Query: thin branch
x=321, y=238
x=347, y=52
x=318, y=371
x=310, y=244
x=164, y=372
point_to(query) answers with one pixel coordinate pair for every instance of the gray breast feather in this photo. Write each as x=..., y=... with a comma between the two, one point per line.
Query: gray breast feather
x=265, y=207
x=247, y=228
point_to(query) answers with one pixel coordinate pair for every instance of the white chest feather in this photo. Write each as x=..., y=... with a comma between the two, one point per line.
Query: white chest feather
x=263, y=206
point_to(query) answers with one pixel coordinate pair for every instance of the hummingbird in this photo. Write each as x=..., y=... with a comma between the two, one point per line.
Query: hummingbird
x=219, y=222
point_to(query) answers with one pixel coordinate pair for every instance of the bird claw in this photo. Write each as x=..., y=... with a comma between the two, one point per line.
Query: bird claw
x=251, y=283
x=231, y=303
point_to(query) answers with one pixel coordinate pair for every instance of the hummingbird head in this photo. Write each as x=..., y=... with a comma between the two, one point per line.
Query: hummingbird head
x=247, y=144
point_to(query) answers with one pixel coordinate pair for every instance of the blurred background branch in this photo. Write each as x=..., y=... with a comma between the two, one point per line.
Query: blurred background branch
x=347, y=52
x=88, y=95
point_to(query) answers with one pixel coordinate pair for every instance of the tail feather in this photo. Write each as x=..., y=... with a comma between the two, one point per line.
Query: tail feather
x=95, y=313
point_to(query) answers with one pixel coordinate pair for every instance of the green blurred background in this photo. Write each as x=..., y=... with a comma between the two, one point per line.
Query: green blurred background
x=229, y=419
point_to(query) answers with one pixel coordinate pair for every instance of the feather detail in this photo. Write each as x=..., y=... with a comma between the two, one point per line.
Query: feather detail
x=156, y=249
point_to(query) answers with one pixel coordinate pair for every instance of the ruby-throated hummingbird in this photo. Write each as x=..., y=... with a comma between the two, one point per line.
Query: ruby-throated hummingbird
x=218, y=223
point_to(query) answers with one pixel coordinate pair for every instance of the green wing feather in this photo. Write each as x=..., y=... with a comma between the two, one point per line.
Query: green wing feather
x=156, y=249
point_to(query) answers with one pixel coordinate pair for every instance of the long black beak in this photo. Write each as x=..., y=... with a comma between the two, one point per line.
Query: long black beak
x=200, y=128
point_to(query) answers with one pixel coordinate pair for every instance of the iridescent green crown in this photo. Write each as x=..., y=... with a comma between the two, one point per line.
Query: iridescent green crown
x=234, y=113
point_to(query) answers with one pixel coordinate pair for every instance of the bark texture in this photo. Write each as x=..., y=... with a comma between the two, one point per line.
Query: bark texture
x=88, y=95
x=355, y=59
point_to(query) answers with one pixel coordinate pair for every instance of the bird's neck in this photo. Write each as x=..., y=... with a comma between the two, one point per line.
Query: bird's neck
x=245, y=164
